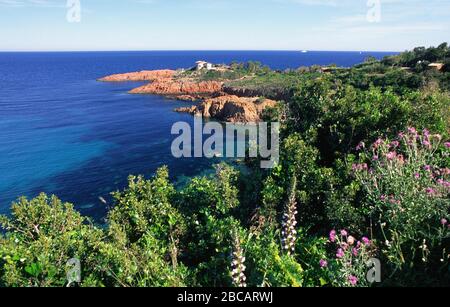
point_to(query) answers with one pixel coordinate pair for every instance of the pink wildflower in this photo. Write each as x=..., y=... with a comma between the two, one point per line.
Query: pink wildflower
x=366, y=240
x=377, y=143
x=355, y=252
x=340, y=253
x=353, y=280
x=444, y=222
x=395, y=144
x=412, y=130
x=360, y=146
x=323, y=263
x=391, y=156
x=426, y=143
x=333, y=236
x=344, y=233
x=430, y=191
x=350, y=240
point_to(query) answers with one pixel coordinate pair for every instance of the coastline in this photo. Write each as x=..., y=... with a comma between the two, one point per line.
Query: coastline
x=216, y=100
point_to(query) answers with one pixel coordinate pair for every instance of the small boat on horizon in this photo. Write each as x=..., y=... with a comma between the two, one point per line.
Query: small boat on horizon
x=304, y=51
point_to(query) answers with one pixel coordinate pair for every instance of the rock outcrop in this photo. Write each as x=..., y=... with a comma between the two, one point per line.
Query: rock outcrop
x=145, y=75
x=231, y=108
x=179, y=87
x=216, y=104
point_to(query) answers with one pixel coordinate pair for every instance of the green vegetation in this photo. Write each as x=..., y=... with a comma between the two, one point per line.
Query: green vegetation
x=364, y=172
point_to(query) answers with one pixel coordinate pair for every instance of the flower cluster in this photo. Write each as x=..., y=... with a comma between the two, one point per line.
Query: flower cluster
x=238, y=264
x=289, y=233
x=351, y=256
x=407, y=180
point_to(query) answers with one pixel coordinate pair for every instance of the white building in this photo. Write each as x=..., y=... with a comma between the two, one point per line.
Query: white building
x=204, y=65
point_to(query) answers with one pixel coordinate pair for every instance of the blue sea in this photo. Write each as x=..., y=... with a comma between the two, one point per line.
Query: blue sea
x=64, y=133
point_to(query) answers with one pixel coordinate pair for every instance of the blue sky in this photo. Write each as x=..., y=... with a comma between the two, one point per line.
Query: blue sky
x=223, y=25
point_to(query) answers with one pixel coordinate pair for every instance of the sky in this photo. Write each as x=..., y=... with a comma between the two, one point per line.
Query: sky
x=366, y=25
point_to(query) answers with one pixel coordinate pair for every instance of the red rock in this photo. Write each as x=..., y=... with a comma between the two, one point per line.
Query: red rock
x=145, y=75
x=231, y=108
x=174, y=87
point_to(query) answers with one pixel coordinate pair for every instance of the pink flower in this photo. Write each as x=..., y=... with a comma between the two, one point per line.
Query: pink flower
x=426, y=132
x=355, y=252
x=366, y=240
x=383, y=197
x=344, y=246
x=361, y=146
x=350, y=240
x=412, y=130
x=377, y=143
x=333, y=236
x=344, y=233
x=340, y=253
x=375, y=158
x=447, y=144
x=401, y=135
x=427, y=168
x=353, y=280
x=391, y=156
x=444, y=222
x=417, y=175
x=426, y=144
x=395, y=144
x=430, y=191
x=323, y=263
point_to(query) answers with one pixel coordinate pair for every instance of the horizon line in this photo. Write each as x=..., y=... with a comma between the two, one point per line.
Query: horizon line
x=196, y=50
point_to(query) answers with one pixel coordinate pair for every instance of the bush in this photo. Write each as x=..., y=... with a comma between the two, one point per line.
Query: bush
x=406, y=200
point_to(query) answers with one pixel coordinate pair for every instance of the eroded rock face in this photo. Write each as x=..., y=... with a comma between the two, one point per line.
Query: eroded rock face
x=145, y=75
x=216, y=104
x=175, y=87
x=231, y=108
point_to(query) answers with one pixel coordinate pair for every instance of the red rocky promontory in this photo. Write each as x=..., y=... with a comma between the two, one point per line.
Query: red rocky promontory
x=216, y=104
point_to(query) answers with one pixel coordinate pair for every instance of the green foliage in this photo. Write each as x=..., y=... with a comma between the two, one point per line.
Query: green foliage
x=42, y=235
x=407, y=191
x=216, y=227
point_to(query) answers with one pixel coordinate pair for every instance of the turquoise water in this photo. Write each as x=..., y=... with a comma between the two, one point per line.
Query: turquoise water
x=64, y=133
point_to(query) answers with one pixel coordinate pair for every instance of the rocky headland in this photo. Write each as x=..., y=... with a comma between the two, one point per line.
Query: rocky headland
x=230, y=108
x=214, y=101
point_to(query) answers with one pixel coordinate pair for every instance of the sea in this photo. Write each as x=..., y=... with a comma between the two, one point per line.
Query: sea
x=64, y=133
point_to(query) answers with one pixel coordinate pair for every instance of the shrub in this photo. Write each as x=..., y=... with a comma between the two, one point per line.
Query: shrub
x=406, y=186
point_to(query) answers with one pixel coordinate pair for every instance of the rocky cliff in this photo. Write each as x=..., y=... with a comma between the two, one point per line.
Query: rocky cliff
x=216, y=104
x=145, y=75
x=231, y=108
x=179, y=87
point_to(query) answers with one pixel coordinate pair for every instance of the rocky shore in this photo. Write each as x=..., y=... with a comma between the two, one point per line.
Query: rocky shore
x=215, y=103
x=230, y=108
